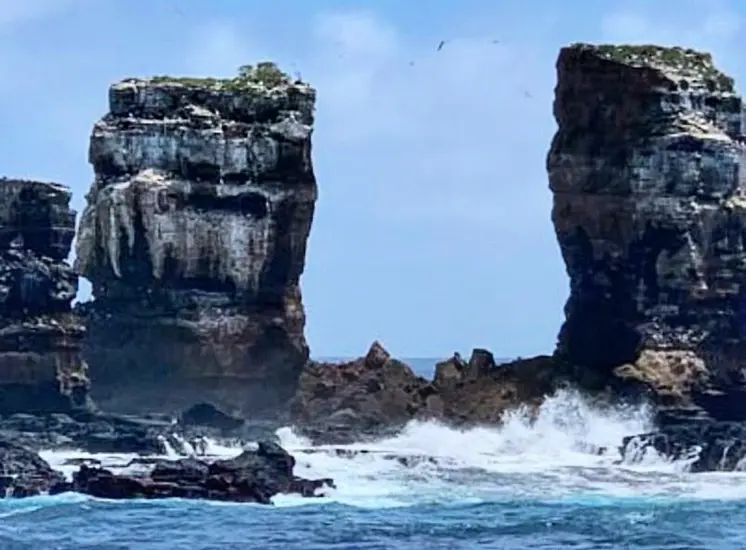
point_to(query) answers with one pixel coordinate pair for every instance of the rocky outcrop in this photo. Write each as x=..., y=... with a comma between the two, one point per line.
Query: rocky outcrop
x=253, y=476
x=370, y=396
x=23, y=473
x=377, y=395
x=194, y=240
x=697, y=446
x=40, y=364
x=647, y=171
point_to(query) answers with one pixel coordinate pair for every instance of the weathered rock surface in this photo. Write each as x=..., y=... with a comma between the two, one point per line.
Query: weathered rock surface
x=253, y=476
x=40, y=363
x=647, y=171
x=377, y=395
x=23, y=473
x=194, y=241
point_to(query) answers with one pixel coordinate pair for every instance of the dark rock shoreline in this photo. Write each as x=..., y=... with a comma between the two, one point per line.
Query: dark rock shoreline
x=253, y=476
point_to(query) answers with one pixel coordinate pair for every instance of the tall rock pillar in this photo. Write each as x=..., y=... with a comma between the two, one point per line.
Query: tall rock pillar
x=194, y=240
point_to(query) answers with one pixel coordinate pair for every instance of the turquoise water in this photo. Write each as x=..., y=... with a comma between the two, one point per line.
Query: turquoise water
x=57, y=525
x=525, y=485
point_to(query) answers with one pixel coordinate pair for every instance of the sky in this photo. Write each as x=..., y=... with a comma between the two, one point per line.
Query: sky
x=432, y=230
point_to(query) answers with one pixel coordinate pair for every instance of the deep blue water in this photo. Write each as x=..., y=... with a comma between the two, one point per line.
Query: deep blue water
x=171, y=525
x=520, y=487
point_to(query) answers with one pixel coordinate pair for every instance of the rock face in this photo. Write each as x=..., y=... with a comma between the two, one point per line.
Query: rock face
x=647, y=171
x=40, y=364
x=194, y=240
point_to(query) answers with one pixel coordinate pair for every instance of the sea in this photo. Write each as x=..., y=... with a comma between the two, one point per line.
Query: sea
x=525, y=485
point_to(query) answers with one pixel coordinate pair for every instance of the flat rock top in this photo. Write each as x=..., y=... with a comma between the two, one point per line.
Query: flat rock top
x=674, y=61
x=256, y=94
x=49, y=188
x=262, y=79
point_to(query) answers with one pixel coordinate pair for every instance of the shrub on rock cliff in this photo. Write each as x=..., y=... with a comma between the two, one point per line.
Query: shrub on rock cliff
x=266, y=73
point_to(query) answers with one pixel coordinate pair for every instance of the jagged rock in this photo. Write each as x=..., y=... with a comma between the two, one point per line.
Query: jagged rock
x=23, y=473
x=253, y=476
x=40, y=363
x=194, y=241
x=480, y=391
x=647, y=172
x=377, y=395
x=338, y=402
x=703, y=446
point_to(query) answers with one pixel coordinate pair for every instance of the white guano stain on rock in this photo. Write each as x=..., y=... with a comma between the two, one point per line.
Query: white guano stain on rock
x=233, y=246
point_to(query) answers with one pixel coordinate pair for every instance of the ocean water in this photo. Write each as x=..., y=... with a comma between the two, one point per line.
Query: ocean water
x=521, y=486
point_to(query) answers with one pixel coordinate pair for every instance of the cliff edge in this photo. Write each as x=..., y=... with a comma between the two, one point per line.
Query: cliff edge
x=194, y=240
x=647, y=172
x=40, y=364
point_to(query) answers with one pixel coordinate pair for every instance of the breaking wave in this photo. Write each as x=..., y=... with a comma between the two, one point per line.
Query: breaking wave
x=569, y=450
x=552, y=480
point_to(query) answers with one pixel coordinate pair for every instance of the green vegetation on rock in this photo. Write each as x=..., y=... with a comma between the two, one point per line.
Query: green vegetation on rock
x=265, y=74
x=684, y=61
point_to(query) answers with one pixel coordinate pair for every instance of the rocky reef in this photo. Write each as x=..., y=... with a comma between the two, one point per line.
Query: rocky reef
x=194, y=240
x=255, y=475
x=377, y=395
x=41, y=369
x=647, y=172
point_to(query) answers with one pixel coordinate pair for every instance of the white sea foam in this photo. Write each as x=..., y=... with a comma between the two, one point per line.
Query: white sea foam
x=554, y=456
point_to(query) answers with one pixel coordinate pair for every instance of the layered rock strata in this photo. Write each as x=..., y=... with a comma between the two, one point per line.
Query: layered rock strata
x=194, y=240
x=647, y=172
x=41, y=369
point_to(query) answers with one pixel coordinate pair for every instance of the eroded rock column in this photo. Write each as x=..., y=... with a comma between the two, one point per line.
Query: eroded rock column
x=194, y=240
x=41, y=369
x=647, y=172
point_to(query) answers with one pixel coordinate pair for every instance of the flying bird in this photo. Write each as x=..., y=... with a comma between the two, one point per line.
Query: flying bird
x=440, y=46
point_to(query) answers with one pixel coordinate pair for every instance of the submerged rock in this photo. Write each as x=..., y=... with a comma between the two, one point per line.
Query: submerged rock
x=253, y=476
x=194, y=240
x=40, y=339
x=647, y=171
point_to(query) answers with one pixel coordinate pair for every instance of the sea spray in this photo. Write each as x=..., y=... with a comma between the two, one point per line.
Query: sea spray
x=569, y=448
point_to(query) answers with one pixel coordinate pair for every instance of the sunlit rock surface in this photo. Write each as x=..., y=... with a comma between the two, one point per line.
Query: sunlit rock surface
x=194, y=240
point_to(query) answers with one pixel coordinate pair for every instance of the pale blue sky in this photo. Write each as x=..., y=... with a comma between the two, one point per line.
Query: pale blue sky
x=432, y=230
